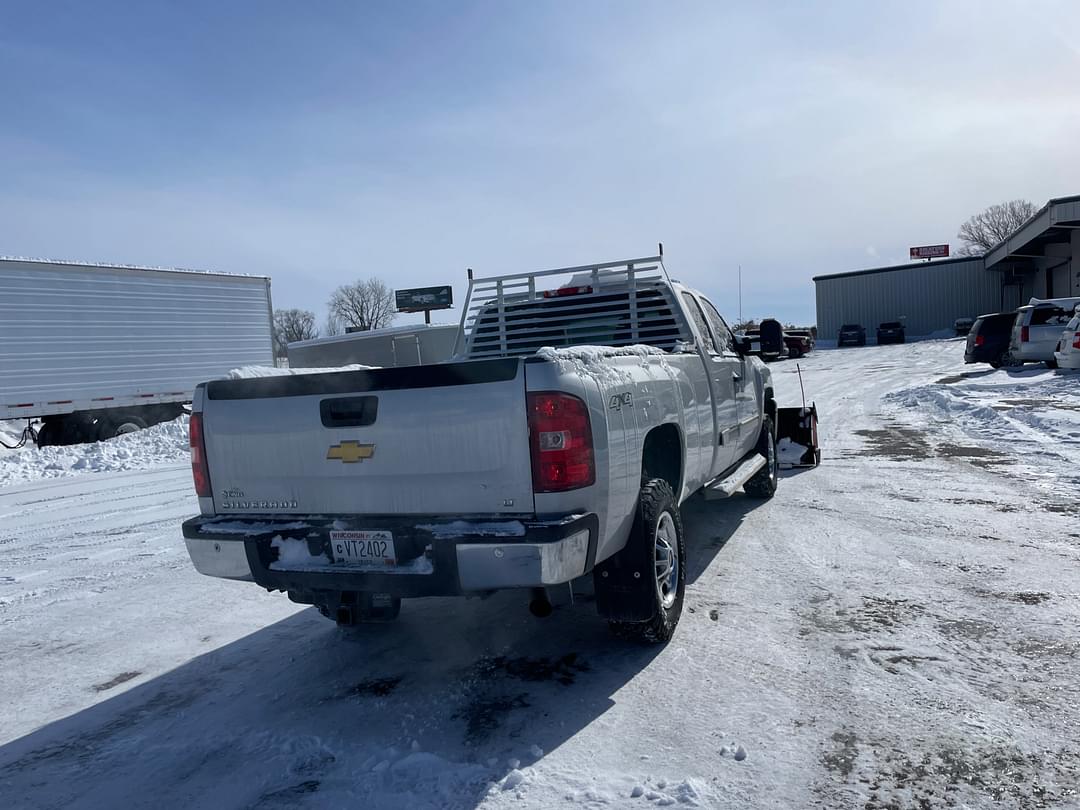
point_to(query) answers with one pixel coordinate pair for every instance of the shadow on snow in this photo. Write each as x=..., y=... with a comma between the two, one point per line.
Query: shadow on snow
x=426, y=712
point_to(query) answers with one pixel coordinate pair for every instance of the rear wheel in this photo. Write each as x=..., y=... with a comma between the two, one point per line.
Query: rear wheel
x=763, y=484
x=119, y=425
x=653, y=566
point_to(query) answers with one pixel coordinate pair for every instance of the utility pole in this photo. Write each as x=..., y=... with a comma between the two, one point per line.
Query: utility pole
x=740, y=294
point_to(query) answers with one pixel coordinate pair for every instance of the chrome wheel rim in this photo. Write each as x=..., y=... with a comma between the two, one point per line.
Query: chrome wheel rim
x=127, y=427
x=666, y=559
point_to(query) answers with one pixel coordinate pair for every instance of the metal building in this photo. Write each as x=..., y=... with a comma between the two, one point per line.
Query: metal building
x=926, y=297
x=1037, y=260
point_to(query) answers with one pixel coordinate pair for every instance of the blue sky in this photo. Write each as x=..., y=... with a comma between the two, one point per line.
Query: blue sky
x=322, y=143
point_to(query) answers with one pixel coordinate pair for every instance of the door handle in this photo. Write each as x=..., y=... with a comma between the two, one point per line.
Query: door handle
x=736, y=376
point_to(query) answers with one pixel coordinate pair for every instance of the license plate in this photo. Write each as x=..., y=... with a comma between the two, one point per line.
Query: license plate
x=368, y=549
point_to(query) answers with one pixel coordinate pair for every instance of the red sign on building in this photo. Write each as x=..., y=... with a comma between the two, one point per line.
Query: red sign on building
x=930, y=252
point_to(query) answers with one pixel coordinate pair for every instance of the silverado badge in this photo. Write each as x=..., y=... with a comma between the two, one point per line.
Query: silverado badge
x=350, y=452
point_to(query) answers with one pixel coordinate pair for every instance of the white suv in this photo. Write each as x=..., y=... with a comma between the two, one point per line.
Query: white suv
x=1068, y=353
x=1038, y=328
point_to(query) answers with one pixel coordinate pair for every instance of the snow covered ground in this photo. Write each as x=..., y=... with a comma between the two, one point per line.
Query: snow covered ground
x=896, y=629
x=162, y=444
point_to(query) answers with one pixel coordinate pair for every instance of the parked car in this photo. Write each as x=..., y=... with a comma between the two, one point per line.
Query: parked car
x=851, y=334
x=963, y=326
x=890, y=332
x=1068, y=350
x=988, y=340
x=1038, y=328
x=797, y=345
x=557, y=443
x=809, y=334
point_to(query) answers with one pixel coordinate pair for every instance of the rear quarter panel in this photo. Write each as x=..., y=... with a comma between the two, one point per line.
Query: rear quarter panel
x=660, y=392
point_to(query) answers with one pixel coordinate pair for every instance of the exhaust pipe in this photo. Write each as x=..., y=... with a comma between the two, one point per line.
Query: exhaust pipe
x=540, y=605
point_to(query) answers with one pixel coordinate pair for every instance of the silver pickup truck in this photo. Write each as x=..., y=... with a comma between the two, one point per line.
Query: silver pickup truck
x=582, y=407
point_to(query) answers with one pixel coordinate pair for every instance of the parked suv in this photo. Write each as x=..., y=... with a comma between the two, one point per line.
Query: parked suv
x=851, y=334
x=988, y=340
x=1068, y=351
x=890, y=332
x=1038, y=328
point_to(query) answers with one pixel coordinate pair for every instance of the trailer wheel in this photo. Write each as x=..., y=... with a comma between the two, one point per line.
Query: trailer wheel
x=653, y=566
x=119, y=425
x=49, y=434
x=763, y=484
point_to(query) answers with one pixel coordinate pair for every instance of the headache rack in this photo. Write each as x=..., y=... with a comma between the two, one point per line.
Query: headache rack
x=619, y=303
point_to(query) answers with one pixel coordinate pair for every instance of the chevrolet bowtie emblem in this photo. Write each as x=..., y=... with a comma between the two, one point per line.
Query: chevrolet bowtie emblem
x=350, y=452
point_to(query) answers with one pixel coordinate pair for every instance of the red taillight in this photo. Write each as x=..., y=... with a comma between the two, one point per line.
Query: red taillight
x=1024, y=334
x=1076, y=341
x=200, y=470
x=560, y=440
x=979, y=340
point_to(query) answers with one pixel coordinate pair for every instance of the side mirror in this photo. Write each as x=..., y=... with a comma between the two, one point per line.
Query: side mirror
x=743, y=345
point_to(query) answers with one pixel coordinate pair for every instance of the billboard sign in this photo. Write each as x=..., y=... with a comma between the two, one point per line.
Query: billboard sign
x=421, y=299
x=930, y=252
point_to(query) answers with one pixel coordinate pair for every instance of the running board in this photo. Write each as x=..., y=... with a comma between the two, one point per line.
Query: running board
x=726, y=487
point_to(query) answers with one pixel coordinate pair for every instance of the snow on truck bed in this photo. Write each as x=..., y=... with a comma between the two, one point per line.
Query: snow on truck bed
x=896, y=628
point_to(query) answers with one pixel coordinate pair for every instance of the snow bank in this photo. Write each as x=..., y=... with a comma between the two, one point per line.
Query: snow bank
x=162, y=444
x=1030, y=415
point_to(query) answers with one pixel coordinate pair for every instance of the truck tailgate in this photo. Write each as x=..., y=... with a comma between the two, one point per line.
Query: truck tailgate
x=443, y=439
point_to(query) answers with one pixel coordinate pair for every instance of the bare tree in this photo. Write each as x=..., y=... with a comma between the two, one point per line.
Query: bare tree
x=291, y=325
x=988, y=229
x=364, y=305
x=332, y=326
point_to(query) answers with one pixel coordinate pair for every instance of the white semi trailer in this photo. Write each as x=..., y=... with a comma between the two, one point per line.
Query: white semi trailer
x=95, y=350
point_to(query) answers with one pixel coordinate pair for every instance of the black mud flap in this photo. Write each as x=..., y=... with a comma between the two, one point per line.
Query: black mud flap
x=623, y=585
x=799, y=427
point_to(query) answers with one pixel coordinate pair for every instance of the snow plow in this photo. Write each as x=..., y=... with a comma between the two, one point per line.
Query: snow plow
x=796, y=434
x=796, y=437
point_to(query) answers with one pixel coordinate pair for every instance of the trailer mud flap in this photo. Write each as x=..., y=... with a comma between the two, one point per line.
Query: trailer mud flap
x=797, y=437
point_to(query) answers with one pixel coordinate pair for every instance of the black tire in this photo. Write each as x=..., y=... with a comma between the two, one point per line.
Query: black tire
x=657, y=524
x=1051, y=364
x=119, y=424
x=995, y=364
x=763, y=484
